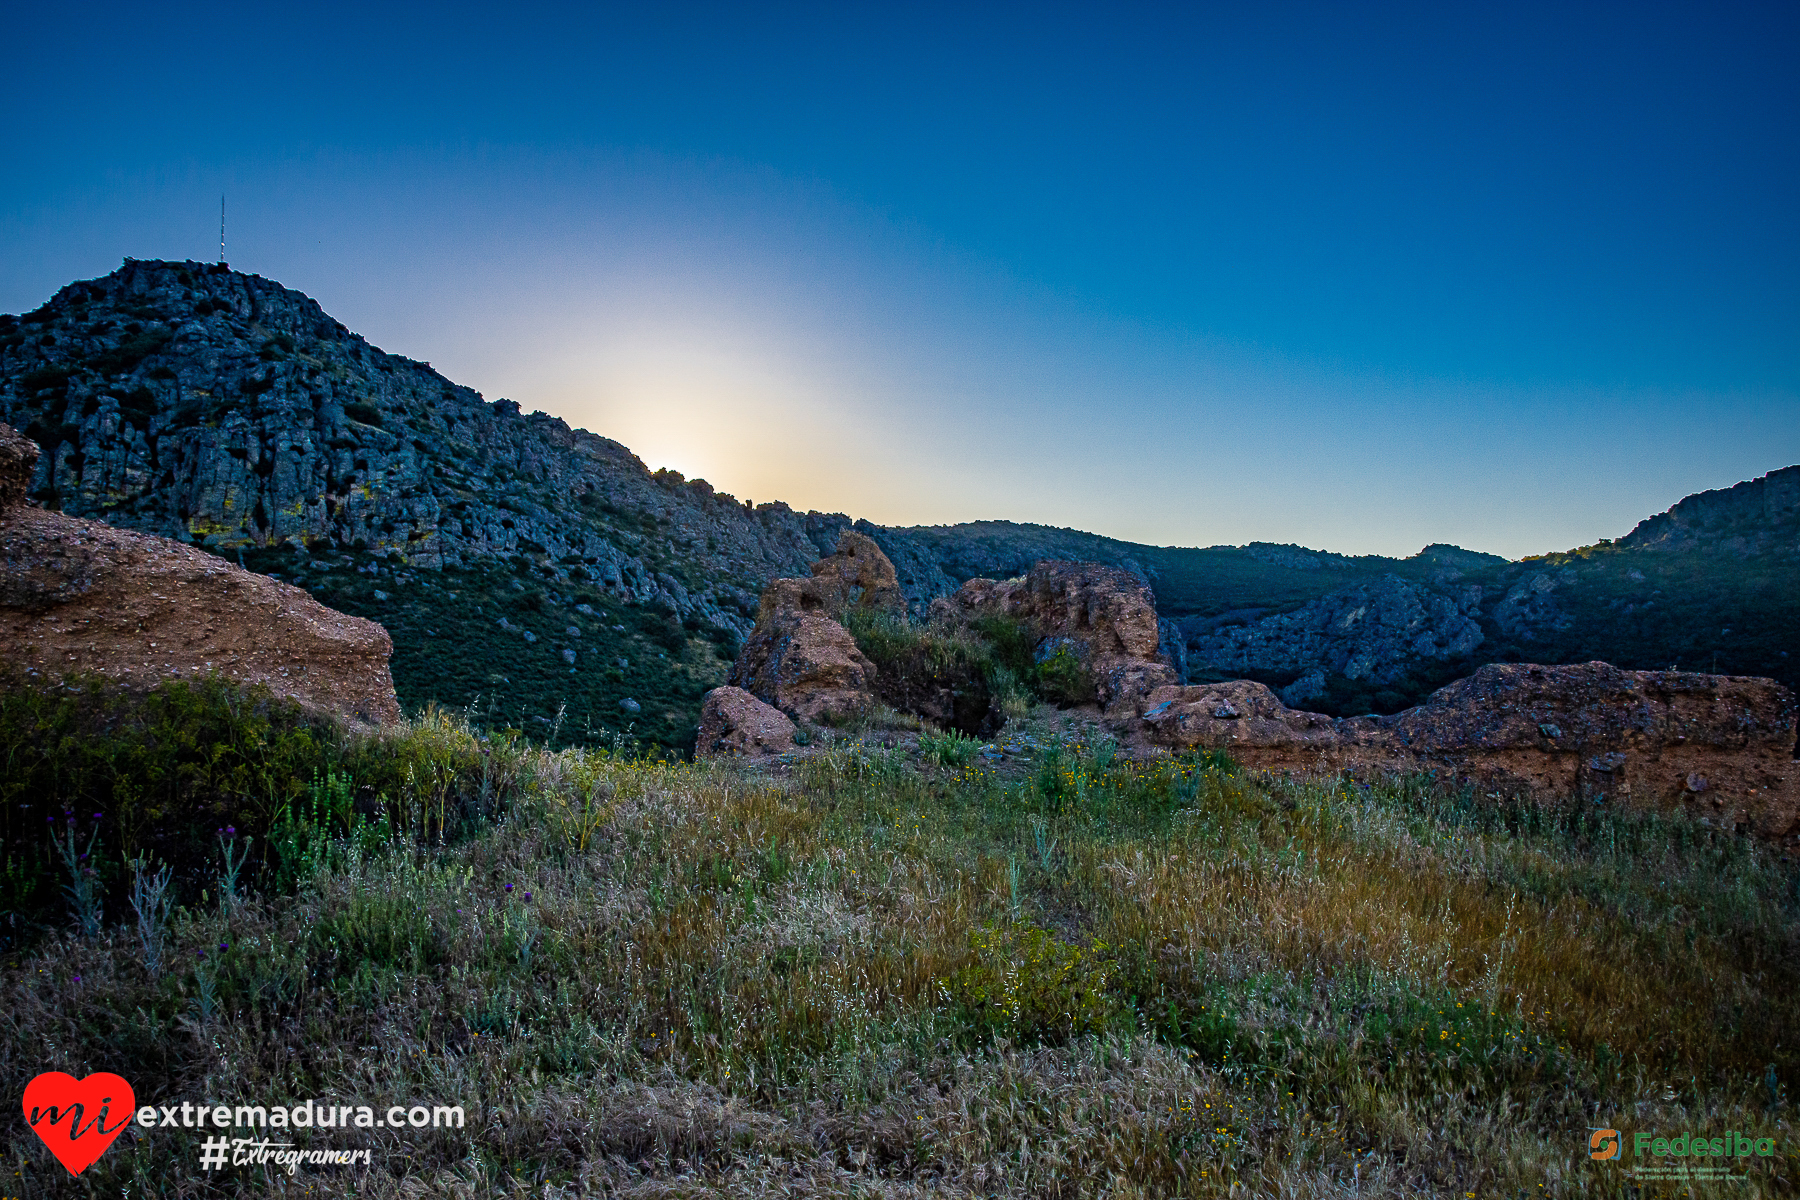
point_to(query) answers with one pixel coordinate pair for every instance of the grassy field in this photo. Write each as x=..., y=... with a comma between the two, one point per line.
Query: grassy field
x=899, y=968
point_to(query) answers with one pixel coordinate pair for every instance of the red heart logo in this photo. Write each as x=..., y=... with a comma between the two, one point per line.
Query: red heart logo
x=75, y=1116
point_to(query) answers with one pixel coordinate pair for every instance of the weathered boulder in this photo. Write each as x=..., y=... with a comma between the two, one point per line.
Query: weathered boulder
x=1717, y=745
x=1243, y=717
x=735, y=724
x=856, y=575
x=805, y=664
x=80, y=596
x=1105, y=616
x=798, y=657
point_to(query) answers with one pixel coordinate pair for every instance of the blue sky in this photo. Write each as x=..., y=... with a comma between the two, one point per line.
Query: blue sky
x=1360, y=278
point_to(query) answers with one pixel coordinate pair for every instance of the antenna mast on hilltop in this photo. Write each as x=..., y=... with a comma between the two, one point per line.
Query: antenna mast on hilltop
x=221, y=228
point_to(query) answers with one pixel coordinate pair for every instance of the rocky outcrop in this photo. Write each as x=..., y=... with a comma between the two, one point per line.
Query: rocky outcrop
x=735, y=724
x=1758, y=514
x=1718, y=746
x=1529, y=608
x=855, y=575
x=78, y=596
x=799, y=658
x=1104, y=616
x=807, y=665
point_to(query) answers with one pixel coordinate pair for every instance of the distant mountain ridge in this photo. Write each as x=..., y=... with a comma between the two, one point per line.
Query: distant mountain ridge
x=530, y=564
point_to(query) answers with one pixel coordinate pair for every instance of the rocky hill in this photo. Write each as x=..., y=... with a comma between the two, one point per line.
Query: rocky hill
x=1711, y=585
x=513, y=559
x=533, y=569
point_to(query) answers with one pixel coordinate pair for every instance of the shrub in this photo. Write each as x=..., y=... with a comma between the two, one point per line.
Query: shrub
x=951, y=749
x=1011, y=641
x=152, y=775
x=1063, y=679
x=1011, y=696
x=940, y=672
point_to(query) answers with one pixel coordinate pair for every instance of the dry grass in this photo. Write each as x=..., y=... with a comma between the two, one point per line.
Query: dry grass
x=887, y=977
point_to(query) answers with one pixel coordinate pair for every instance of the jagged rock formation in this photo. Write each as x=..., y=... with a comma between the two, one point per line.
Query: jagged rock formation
x=735, y=724
x=79, y=596
x=1753, y=516
x=799, y=658
x=855, y=575
x=807, y=665
x=1716, y=746
x=1530, y=608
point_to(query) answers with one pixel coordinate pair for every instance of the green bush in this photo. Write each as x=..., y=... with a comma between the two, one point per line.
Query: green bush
x=941, y=672
x=951, y=749
x=1063, y=679
x=162, y=775
x=1011, y=641
x=155, y=775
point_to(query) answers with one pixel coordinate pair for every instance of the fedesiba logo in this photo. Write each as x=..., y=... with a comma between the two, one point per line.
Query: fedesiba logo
x=1604, y=1144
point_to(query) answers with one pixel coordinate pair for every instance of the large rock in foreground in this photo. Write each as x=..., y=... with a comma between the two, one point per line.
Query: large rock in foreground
x=80, y=596
x=1720, y=746
x=735, y=724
